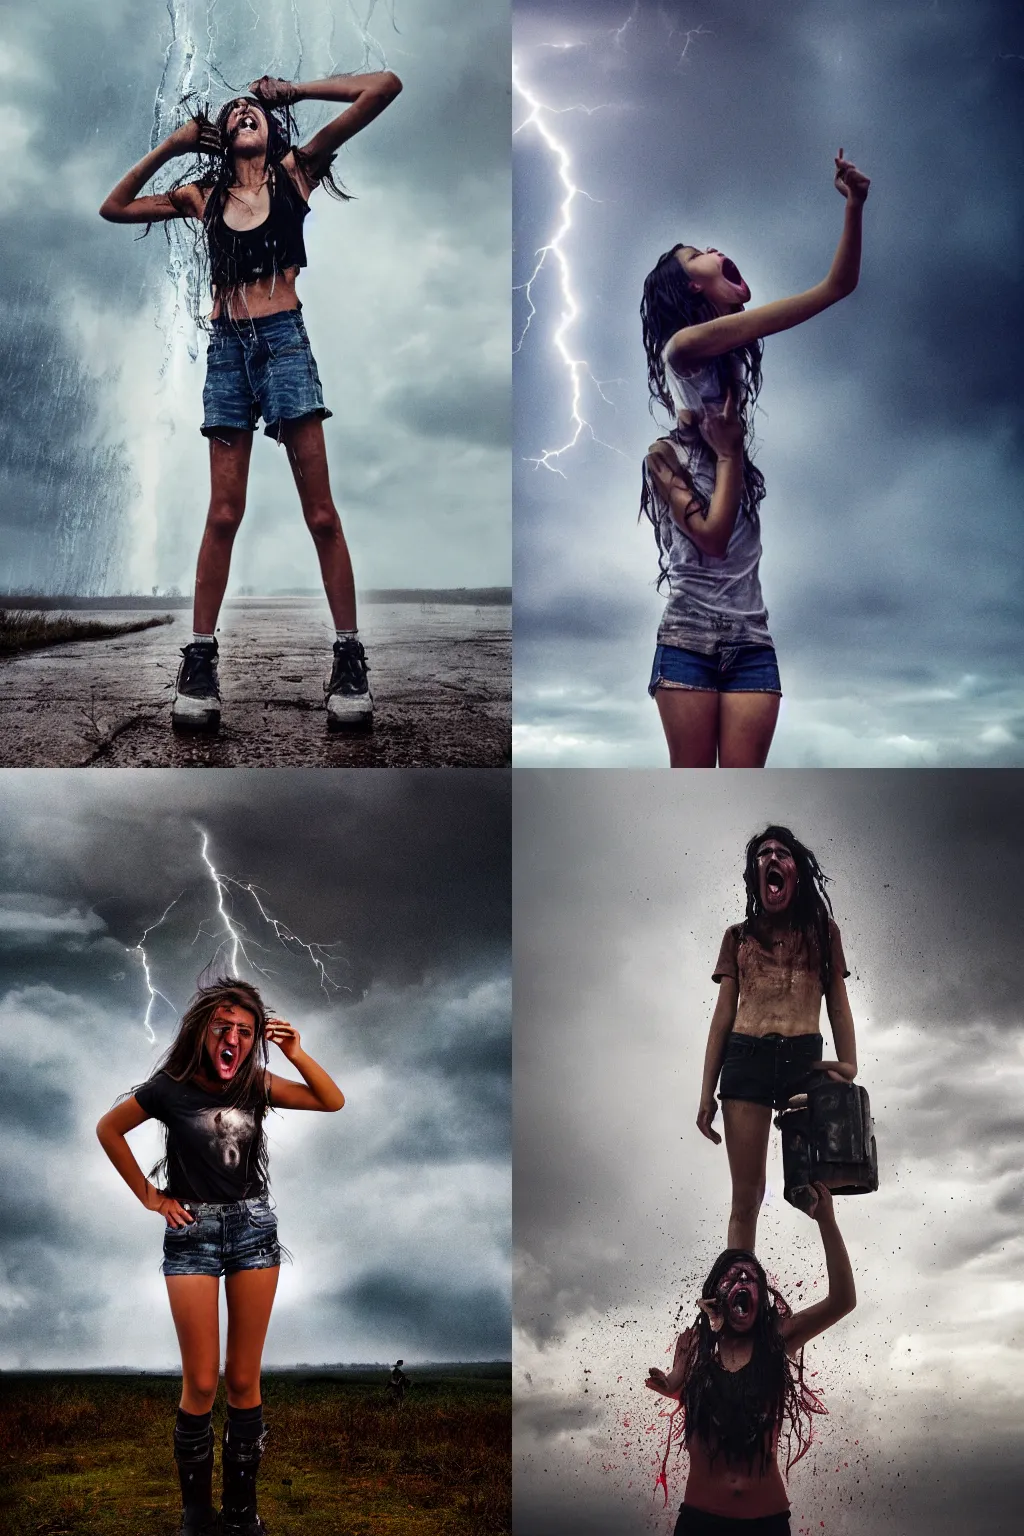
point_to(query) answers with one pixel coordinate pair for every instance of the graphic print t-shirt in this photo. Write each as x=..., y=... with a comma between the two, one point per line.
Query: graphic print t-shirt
x=211, y=1146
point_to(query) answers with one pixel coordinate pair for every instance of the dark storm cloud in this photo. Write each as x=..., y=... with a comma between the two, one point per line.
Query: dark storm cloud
x=33, y=1101
x=471, y=410
x=889, y=429
x=447, y=1322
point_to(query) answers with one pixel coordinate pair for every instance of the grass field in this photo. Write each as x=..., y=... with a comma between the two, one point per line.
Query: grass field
x=83, y=1453
x=23, y=631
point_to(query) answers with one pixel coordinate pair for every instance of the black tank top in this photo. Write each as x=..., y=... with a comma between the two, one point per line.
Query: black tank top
x=240, y=256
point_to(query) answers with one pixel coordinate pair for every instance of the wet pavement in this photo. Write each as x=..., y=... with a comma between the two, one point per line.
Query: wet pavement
x=440, y=677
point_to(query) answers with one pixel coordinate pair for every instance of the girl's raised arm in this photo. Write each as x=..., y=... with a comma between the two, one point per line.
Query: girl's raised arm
x=712, y=338
x=317, y=1091
x=842, y=1291
x=124, y=206
x=368, y=95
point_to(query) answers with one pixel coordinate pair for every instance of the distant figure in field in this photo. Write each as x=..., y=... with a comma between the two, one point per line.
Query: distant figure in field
x=212, y=1091
x=397, y=1382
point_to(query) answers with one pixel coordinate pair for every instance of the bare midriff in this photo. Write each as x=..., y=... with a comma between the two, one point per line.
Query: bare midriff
x=733, y=1491
x=263, y=296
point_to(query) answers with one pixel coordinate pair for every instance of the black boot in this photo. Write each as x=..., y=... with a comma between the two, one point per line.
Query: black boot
x=240, y=1464
x=193, y=1451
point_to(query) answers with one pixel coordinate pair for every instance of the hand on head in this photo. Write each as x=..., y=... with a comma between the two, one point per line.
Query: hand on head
x=273, y=92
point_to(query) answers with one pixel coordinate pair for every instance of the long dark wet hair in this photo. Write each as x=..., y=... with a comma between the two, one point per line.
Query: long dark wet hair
x=810, y=911
x=247, y=1089
x=215, y=175
x=669, y=304
x=775, y=1402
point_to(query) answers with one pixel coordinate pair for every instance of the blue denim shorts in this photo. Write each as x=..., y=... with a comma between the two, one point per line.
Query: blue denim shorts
x=767, y=1069
x=223, y=1239
x=260, y=368
x=733, y=669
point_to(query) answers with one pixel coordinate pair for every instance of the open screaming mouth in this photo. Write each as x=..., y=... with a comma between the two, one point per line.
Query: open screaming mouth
x=731, y=272
x=774, y=882
x=741, y=1301
x=226, y=1056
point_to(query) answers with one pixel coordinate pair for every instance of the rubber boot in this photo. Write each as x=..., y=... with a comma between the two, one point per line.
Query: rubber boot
x=240, y=1464
x=193, y=1452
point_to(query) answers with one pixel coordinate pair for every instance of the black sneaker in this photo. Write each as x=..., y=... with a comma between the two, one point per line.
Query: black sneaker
x=349, y=701
x=196, y=704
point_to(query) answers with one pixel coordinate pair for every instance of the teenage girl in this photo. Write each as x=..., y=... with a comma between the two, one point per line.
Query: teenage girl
x=773, y=970
x=715, y=678
x=212, y=1092
x=738, y=1376
x=249, y=201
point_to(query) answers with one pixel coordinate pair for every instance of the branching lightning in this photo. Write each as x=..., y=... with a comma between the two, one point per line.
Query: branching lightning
x=576, y=369
x=154, y=992
x=233, y=941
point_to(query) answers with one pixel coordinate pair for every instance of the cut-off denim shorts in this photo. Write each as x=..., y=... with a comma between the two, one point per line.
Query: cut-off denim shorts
x=731, y=669
x=257, y=368
x=222, y=1239
x=767, y=1069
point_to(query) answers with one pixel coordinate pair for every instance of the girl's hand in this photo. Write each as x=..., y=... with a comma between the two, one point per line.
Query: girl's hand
x=273, y=92
x=705, y=1115
x=723, y=430
x=285, y=1036
x=658, y=1382
x=820, y=1208
x=197, y=136
x=853, y=184
x=173, y=1213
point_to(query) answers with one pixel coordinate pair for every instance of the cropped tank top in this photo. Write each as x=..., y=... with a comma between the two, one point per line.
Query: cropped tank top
x=240, y=256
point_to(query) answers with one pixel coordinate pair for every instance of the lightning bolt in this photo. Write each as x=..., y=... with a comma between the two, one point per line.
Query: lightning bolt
x=154, y=992
x=234, y=940
x=576, y=369
x=320, y=955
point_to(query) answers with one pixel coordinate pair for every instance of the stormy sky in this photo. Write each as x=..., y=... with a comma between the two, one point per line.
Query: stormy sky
x=624, y=886
x=889, y=429
x=103, y=472
x=397, y=1208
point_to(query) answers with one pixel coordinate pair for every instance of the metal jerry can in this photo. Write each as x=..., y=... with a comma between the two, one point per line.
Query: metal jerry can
x=828, y=1136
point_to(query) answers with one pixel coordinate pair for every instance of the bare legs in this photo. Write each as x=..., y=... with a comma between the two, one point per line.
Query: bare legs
x=307, y=454
x=193, y=1298
x=702, y=728
x=747, y=1127
x=229, y=477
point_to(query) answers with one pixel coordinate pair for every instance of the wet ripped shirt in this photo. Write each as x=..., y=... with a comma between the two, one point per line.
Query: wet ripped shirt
x=778, y=976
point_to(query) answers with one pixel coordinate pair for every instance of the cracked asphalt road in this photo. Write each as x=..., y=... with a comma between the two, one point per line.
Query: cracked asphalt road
x=440, y=676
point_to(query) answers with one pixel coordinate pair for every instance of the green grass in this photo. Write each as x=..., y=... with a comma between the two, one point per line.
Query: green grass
x=25, y=631
x=92, y=1454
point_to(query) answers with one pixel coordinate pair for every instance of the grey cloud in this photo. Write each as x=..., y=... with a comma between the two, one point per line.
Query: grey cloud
x=440, y=1318
x=472, y=410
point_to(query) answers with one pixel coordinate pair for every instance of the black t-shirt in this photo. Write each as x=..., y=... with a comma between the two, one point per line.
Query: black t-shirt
x=211, y=1146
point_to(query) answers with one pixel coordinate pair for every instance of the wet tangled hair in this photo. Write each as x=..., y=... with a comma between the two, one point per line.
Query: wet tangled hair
x=247, y=1090
x=775, y=1403
x=669, y=304
x=811, y=908
x=214, y=174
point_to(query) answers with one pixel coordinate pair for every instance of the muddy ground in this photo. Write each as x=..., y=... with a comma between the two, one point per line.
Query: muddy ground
x=440, y=677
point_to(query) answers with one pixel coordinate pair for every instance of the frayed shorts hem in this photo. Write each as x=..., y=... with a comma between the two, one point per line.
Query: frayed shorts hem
x=272, y=429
